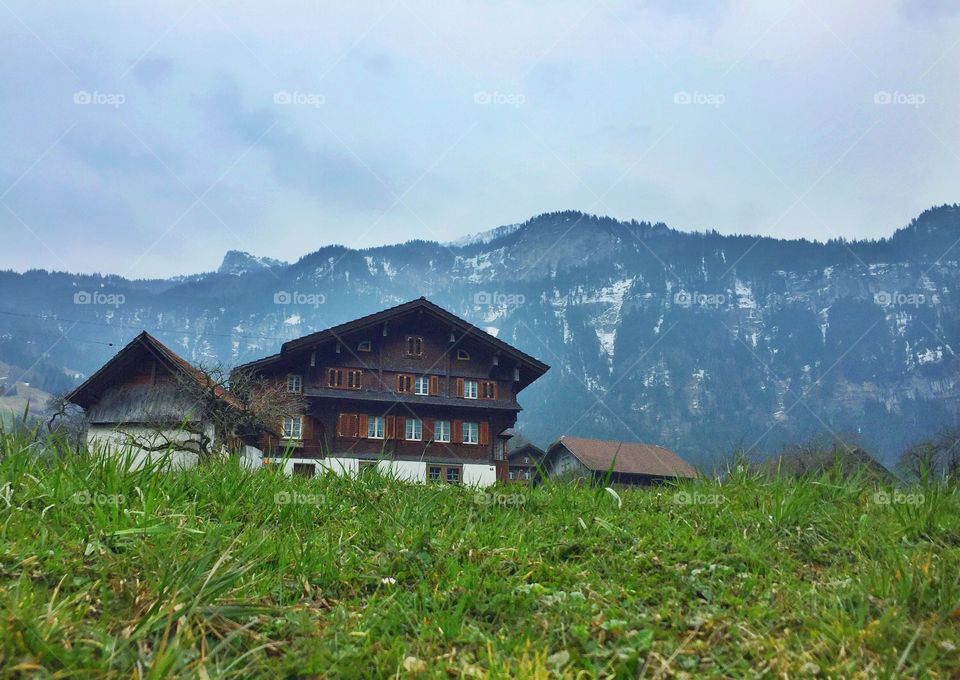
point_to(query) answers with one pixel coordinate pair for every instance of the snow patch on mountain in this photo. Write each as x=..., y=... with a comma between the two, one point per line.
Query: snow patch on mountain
x=483, y=236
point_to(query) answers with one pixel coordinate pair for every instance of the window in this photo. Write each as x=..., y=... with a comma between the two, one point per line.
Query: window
x=451, y=474
x=375, y=427
x=305, y=469
x=423, y=385
x=366, y=466
x=365, y=346
x=441, y=431
x=463, y=355
x=414, y=346
x=293, y=427
x=404, y=383
x=414, y=431
x=334, y=378
x=488, y=389
x=470, y=389
x=294, y=383
x=354, y=378
x=471, y=433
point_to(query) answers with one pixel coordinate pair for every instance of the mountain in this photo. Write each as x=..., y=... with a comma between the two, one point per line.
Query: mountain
x=238, y=263
x=701, y=342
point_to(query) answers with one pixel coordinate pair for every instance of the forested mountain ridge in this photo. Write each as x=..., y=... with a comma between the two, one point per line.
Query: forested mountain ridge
x=699, y=341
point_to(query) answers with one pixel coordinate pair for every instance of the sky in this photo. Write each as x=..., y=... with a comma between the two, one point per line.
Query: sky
x=147, y=139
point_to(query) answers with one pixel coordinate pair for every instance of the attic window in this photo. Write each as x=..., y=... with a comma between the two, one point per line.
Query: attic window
x=294, y=383
x=365, y=346
x=414, y=346
x=463, y=355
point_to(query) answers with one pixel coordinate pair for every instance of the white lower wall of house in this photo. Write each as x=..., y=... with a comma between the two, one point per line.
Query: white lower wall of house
x=130, y=440
x=407, y=470
x=288, y=463
x=479, y=475
x=342, y=466
x=474, y=474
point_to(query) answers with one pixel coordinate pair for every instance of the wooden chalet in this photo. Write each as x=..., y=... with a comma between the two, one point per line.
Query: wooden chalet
x=623, y=462
x=145, y=401
x=413, y=389
x=523, y=463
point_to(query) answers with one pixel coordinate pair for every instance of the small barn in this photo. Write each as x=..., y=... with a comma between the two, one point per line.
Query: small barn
x=625, y=462
x=150, y=402
x=524, y=461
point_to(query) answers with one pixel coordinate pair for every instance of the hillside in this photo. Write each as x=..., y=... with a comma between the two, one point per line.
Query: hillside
x=699, y=341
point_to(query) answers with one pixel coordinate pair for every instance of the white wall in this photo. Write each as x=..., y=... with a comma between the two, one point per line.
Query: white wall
x=110, y=439
x=407, y=470
x=479, y=475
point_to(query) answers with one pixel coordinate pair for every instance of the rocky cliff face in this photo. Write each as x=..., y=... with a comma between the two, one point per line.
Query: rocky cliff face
x=701, y=342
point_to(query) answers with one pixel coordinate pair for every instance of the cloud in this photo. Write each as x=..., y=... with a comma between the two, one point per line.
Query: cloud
x=379, y=64
x=153, y=71
x=329, y=173
x=929, y=9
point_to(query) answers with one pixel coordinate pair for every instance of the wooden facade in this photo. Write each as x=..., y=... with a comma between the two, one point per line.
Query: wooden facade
x=525, y=463
x=411, y=383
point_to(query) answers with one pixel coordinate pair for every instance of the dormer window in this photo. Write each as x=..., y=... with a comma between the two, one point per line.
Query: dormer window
x=365, y=346
x=294, y=383
x=414, y=346
x=463, y=355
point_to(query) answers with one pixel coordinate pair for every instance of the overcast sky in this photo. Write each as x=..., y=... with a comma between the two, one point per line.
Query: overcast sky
x=146, y=139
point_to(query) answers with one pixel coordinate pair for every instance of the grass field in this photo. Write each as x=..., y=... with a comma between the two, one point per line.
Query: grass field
x=218, y=572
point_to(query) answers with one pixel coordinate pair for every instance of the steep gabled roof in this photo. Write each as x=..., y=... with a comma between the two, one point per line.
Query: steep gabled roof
x=111, y=373
x=534, y=367
x=527, y=449
x=626, y=457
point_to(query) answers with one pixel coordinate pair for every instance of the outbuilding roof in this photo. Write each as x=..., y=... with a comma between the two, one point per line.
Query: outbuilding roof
x=633, y=458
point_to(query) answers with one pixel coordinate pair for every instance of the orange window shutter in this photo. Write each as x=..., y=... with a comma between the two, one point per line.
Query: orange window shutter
x=484, y=433
x=354, y=424
x=340, y=421
x=456, y=432
x=434, y=385
x=390, y=427
x=364, y=422
x=493, y=390
x=459, y=387
x=399, y=383
x=428, y=429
